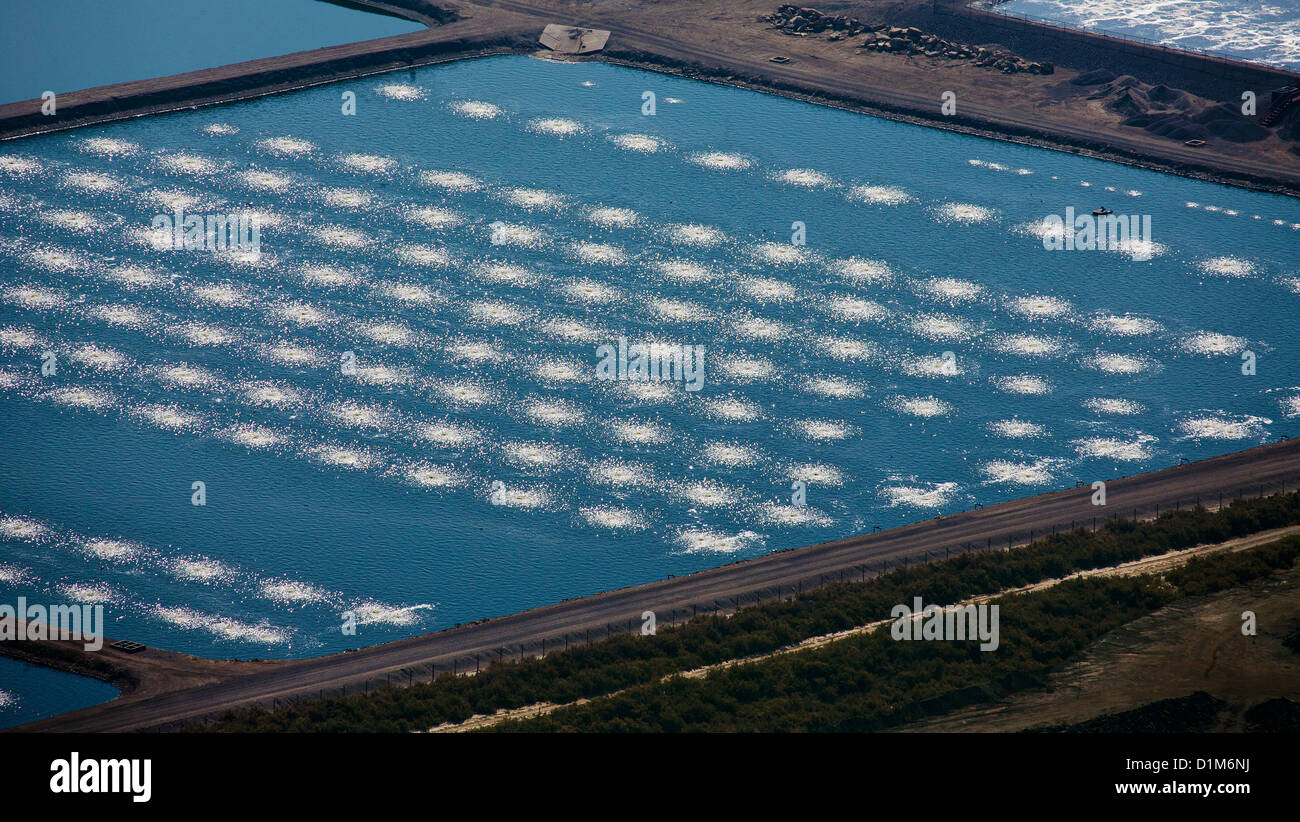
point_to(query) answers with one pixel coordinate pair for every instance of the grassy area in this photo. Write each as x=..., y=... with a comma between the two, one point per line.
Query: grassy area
x=639, y=662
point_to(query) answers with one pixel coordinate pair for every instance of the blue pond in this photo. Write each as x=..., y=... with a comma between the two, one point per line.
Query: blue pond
x=30, y=692
x=67, y=45
x=393, y=408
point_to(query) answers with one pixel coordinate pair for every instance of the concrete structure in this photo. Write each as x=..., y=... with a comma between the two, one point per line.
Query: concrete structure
x=573, y=40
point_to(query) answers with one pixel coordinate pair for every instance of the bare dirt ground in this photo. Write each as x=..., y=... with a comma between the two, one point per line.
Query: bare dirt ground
x=1190, y=646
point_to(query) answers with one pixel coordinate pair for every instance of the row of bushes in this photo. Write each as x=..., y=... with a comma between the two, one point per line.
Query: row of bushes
x=872, y=682
x=628, y=660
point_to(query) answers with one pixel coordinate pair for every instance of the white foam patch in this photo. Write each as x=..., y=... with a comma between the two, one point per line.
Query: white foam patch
x=760, y=328
x=423, y=255
x=266, y=180
x=13, y=337
x=1290, y=405
x=533, y=199
x=1028, y=345
x=184, y=375
x=695, y=234
x=90, y=593
x=720, y=161
x=879, y=195
x=1010, y=472
x=591, y=292
x=729, y=454
x=780, y=253
x=252, y=436
x=103, y=359
x=598, y=253
x=856, y=310
x=401, y=91
x=931, y=366
x=638, y=433
x=805, y=178
x=454, y=181
x=220, y=294
x=1017, y=429
x=77, y=397
x=1232, y=267
x=289, y=354
x=942, y=328
x=556, y=126
x=19, y=166
x=220, y=129
x=183, y=163
x=678, y=310
x=290, y=592
x=533, y=454
x=515, y=234
x=1210, y=344
x=747, y=369
x=410, y=293
x=771, y=513
x=1131, y=450
x=608, y=217
x=964, y=213
x=435, y=218
x=528, y=499
x=731, y=409
x=643, y=143
x=108, y=147
x=465, y=393
x=1125, y=326
x=367, y=163
x=433, y=476
x=767, y=290
x=620, y=474
x=936, y=495
x=816, y=473
x=923, y=407
x=350, y=198
x=222, y=627
x=683, y=271
x=824, y=430
x=476, y=109
x=834, y=388
x=24, y=528
x=1222, y=426
x=450, y=434
x=167, y=417
x=554, y=413
x=38, y=298
x=613, y=518
x=1125, y=364
x=708, y=541
x=1114, y=406
x=1039, y=307
x=113, y=550
x=950, y=289
x=206, y=334
x=287, y=146
x=494, y=312
x=93, y=182
x=79, y=221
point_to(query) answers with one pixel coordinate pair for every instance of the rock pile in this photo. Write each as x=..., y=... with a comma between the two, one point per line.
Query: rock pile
x=794, y=20
x=1170, y=112
x=881, y=37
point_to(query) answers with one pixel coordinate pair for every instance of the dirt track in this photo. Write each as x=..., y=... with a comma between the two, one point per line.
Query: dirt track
x=1264, y=469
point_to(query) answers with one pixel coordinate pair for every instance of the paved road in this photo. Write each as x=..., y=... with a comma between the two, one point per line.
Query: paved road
x=1262, y=469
